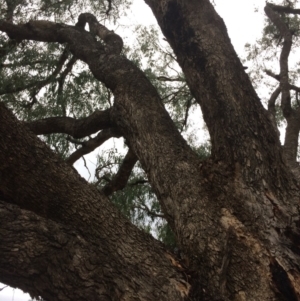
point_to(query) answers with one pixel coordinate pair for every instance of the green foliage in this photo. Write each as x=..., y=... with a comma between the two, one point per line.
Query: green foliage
x=157, y=60
x=40, y=80
x=265, y=54
x=137, y=200
x=165, y=234
x=203, y=150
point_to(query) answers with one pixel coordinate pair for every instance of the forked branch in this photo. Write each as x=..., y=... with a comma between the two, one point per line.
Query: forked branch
x=291, y=115
x=287, y=45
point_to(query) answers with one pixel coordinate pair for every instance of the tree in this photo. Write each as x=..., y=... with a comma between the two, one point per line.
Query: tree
x=234, y=215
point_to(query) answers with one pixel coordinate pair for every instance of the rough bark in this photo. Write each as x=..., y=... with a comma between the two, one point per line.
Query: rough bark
x=245, y=144
x=68, y=236
x=235, y=216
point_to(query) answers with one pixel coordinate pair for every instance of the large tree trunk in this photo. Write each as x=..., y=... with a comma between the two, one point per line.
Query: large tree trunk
x=63, y=240
x=251, y=197
x=235, y=216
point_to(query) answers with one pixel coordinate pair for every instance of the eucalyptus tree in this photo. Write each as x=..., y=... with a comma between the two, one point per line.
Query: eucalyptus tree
x=234, y=216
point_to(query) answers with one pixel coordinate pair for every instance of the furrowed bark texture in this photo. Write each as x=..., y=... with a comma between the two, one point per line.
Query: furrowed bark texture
x=248, y=180
x=73, y=238
x=236, y=216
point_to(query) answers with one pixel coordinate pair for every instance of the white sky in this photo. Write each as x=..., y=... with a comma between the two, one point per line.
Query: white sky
x=244, y=26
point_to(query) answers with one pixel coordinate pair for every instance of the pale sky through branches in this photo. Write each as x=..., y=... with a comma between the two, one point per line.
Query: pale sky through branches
x=244, y=21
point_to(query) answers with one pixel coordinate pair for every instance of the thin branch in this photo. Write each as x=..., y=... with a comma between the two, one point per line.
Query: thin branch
x=144, y=207
x=85, y=165
x=61, y=81
x=104, y=177
x=120, y=180
x=11, y=88
x=109, y=7
x=271, y=74
x=167, y=53
x=277, y=77
x=272, y=101
x=90, y=145
x=77, y=128
x=138, y=182
x=295, y=88
x=168, y=79
x=21, y=64
x=2, y=288
x=188, y=105
x=174, y=94
x=272, y=109
x=75, y=141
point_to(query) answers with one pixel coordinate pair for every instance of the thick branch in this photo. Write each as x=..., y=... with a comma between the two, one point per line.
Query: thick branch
x=284, y=9
x=93, y=143
x=11, y=6
x=81, y=43
x=42, y=250
x=77, y=128
x=45, y=258
x=272, y=101
x=114, y=42
x=120, y=180
x=284, y=70
x=291, y=115
x=272, y=108
x=201, y=44
x=32, y=177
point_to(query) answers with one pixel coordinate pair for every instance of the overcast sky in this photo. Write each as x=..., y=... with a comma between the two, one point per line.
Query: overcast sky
x=244, y=25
